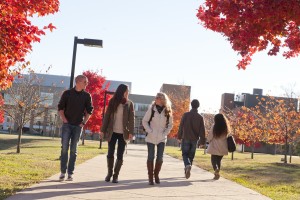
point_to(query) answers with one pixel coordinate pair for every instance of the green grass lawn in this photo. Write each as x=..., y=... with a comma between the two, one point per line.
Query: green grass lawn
x=39, y=159
x=265, y=173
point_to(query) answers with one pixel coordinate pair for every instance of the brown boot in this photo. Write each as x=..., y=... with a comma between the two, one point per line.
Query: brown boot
x=150, y=172
x=110, y=166
x=117, y=169
x=158, y=165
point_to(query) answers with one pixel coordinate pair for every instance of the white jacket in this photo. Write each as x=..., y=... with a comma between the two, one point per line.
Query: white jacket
x=157, y=131
x=217, y=146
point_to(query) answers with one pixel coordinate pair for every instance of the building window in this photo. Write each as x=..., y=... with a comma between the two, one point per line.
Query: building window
x=141, y=107
x=46, y=99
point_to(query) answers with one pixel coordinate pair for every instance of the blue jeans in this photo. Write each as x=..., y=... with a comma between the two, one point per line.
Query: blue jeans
x=188, y=149
x=69, y=138
x=112, y=144
x=151, y=151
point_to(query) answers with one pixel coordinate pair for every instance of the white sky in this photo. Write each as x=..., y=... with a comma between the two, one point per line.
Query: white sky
x=153, y=42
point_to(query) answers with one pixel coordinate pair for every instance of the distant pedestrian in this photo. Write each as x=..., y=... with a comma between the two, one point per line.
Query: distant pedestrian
x=158, y=122
x=75, y=108
x=133, y=139
x=217, y=139
x=118, y=125
x=191, y=129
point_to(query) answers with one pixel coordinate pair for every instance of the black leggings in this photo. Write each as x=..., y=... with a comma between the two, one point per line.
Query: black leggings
x=112, y=144
x=216, y=161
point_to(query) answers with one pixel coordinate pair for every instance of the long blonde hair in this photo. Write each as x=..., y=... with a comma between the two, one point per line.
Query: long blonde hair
x=166, y=102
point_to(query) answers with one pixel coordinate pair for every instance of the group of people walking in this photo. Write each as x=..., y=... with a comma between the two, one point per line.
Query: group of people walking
x=75, y=108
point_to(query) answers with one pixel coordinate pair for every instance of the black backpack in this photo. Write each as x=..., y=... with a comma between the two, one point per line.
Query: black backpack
x=152, y=115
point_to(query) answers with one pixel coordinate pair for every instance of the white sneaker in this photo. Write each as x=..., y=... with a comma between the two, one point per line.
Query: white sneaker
x=62, y=177
x=70, y=177
x=188, y=171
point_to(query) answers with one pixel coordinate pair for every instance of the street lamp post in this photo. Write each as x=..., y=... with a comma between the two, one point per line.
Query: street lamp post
x=103, y=111
x=85, y=42
x=104, y=105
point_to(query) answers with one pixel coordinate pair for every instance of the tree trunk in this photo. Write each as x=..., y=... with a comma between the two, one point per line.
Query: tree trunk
x=286, y=149
x=83, y=137
x=291, y=152
x=19, y=140
x=252, y=151
x=100, y=145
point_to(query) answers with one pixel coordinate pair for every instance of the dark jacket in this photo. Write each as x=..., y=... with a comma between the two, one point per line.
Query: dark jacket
x=75, y=105
x=128, y=121
x=192, y=127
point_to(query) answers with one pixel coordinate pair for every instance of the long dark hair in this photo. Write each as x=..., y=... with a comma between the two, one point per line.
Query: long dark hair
x=118, y=97
x=221, y=126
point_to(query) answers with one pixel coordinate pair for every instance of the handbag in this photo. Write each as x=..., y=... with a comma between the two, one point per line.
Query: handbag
x=231, y=143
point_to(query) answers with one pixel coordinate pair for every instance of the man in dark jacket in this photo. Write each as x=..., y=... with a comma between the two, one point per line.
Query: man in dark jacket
x=75, y=108
x=191, y=129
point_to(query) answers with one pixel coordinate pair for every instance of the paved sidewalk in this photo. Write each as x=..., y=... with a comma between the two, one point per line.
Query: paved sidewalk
x=133, y=183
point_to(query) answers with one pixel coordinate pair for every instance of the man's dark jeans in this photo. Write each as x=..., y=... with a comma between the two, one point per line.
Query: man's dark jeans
x=151, y=151
x=69, y=138
x=188, y=149
x=112, y=144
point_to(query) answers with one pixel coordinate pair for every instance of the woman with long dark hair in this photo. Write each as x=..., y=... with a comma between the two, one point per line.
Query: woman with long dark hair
x=217, y=139
x=117, y=125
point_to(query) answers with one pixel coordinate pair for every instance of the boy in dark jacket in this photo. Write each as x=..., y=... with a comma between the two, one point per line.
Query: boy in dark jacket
x=191, y=129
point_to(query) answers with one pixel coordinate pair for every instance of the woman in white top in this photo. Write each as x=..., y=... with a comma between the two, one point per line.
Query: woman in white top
x=158, y=122
x=217, y=139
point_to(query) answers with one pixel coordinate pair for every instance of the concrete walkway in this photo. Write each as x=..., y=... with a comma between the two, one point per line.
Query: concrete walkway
x=133, y=183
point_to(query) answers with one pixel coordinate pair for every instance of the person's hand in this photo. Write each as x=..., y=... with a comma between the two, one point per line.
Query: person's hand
x=179, y=140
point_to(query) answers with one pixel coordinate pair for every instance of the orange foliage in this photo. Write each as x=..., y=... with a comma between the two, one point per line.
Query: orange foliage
x=180, y=104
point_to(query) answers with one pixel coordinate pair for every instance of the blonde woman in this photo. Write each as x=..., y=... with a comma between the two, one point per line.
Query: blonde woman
x=158, y=122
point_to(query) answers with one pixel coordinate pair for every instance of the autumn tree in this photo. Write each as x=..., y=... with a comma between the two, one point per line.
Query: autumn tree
x=208, y=119
x=18, y=33
x=253, y=26
x=246, y=126
x=24, y=102
x=97, y=90
x=1, y=109
x=234, y=117
x=252, y=129
x=180, y=104
x=284, y=121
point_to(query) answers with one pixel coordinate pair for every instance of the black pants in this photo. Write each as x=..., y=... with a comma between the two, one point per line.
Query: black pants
x=112, y=144
x=216, y=161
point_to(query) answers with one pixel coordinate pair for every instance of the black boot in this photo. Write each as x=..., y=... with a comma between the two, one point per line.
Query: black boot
x=117, y=169
x=157, y=169
x=110, y=165
x=150, y=172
